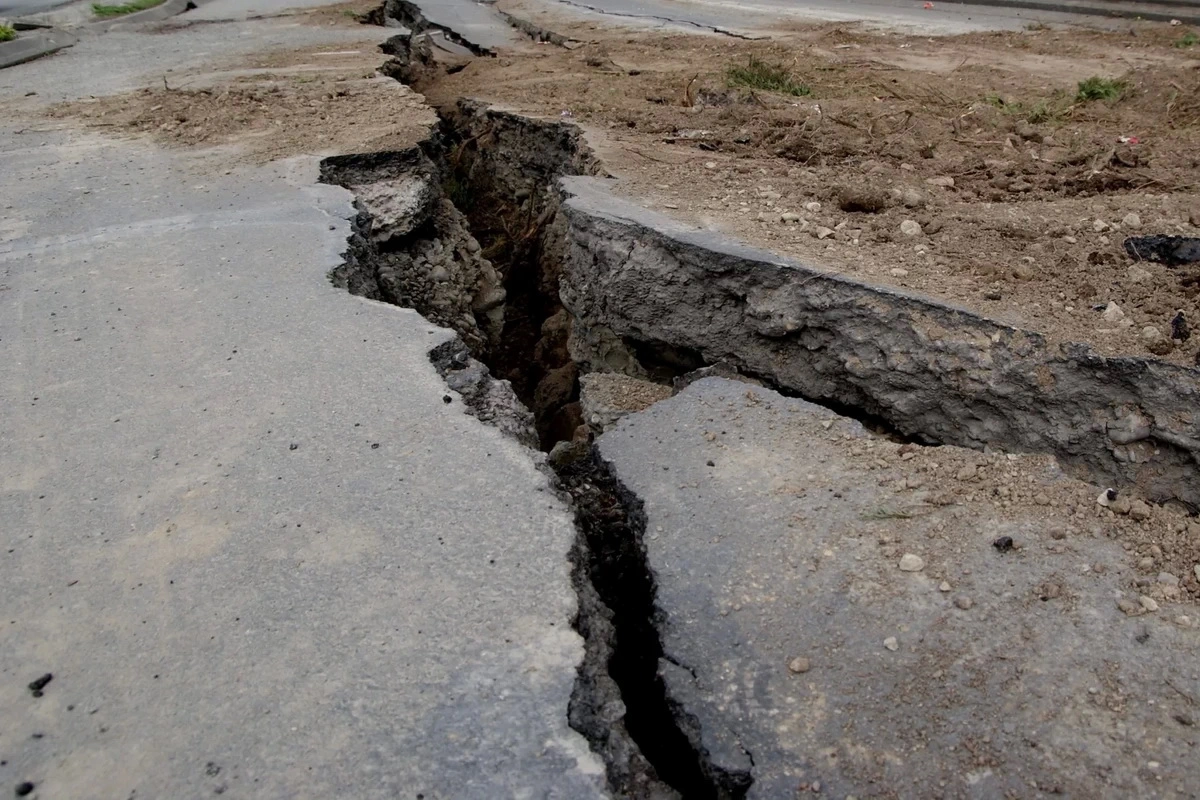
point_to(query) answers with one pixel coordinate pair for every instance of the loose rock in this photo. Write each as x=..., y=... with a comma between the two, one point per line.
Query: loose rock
x=1180, y=331
x=1113, y=313
x=799, y=665
x=910, y=228
x=891, y=644
x=1130, y=607
x=963, y=602
x=910, y=562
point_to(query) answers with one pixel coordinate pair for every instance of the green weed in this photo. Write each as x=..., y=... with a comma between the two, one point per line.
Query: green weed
x=1097, y=88
x=7, y=33
x=1189, y=39
x=759, y=74
x=101, y=10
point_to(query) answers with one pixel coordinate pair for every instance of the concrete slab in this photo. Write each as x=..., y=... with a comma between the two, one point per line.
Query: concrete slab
x=811, y=658
x=259, y=545
x=30, y=45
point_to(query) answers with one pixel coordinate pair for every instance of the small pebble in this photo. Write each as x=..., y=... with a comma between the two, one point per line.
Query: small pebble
x=799, y=665
x=1130, y=607
x=911, y=562
x=910, y=227
x=891, y=644
x=1148, y=603
x=1003, y=544
x=963, y=602
x=944, y=587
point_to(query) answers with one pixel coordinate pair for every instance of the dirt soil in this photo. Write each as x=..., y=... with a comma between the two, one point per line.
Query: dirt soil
x=1024, y=195
x=316, y=100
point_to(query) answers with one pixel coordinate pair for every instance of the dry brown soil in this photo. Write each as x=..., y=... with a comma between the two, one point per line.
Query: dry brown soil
x=891, y=120
x=316, y=100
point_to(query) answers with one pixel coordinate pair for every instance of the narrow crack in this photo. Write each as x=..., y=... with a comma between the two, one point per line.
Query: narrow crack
x=669, y=20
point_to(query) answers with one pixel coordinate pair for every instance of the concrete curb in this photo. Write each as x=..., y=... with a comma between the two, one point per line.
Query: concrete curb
x=34, y=44
x=166, y=10
x=1186, y=11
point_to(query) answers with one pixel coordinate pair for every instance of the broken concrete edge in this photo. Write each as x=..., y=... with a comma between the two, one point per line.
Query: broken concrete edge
x=538, y=33
x=38, y=43
x=932, y=371
x=165, y=10
x=410, y=15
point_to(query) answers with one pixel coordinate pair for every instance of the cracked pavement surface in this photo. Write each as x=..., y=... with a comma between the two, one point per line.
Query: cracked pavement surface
x=244, y=531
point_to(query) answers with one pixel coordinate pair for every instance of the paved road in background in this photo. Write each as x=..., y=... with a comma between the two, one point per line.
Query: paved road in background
x=19, y=8
x=764, y=16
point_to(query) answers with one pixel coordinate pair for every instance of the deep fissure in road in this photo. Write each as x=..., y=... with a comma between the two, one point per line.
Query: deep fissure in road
x=474, y=228
x=466, y=230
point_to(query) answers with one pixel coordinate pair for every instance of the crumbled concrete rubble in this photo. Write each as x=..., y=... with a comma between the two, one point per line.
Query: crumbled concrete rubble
x=606, y=397
x=848, y=615
x=489, y=400
x=412, y=247
x=396, y=207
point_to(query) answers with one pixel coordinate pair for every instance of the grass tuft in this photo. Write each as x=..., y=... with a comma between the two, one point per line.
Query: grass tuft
x=1051, y=109
x=1097, y=88
x=759, y=74
x=7, y=33
x=101, y=10
x=1189, y=39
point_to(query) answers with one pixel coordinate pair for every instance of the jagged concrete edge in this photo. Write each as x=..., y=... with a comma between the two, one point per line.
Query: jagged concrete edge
x=410, y=14
x=27, y=47
x=991, y=379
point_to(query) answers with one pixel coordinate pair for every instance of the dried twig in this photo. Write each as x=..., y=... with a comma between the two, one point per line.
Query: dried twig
x=689, y=98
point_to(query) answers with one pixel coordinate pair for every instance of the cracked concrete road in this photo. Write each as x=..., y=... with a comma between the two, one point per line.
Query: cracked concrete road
x=813, y=658
x=242, y=527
